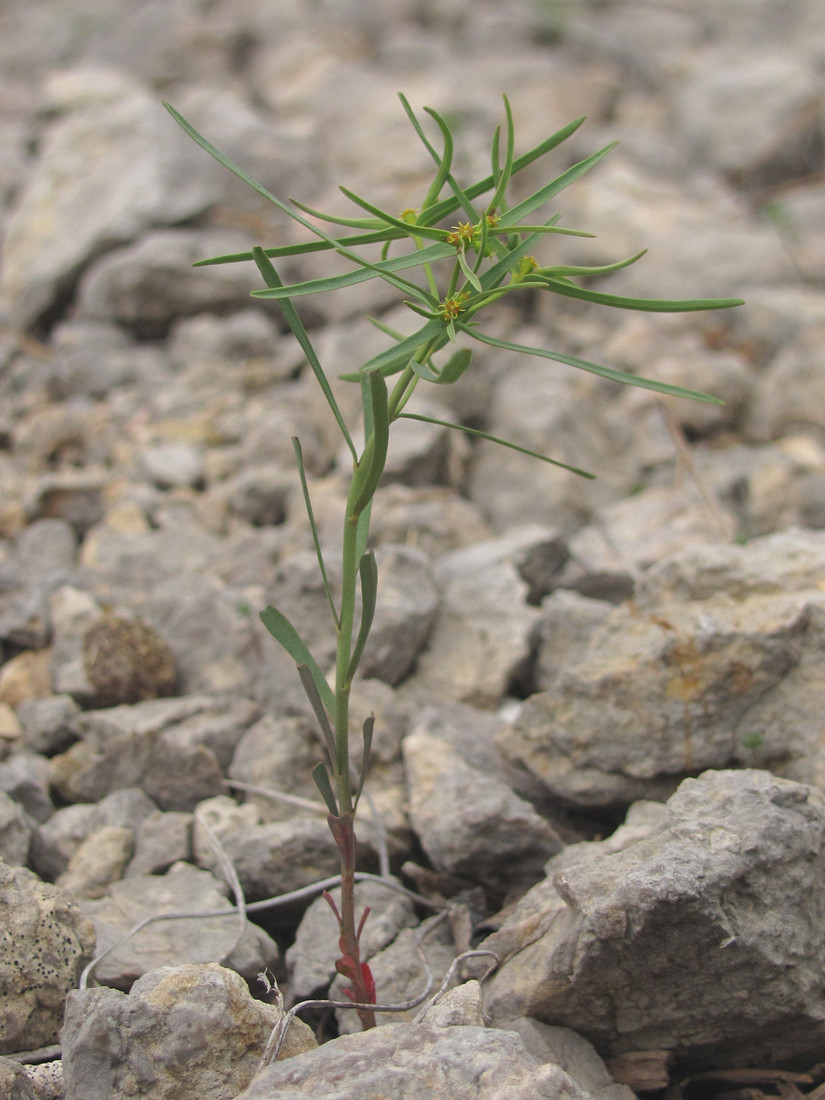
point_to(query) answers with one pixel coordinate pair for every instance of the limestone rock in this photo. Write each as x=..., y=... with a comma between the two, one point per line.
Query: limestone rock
x=45, y=941
x=713, y=664
x=472, y=824
x=182, y=889
x=400, y=1061
x=481, y=639
x=700, y=938
x=80, y=199
x=184, y=1032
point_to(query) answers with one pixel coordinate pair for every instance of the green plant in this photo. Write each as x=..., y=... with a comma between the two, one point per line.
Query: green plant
x=465, y=266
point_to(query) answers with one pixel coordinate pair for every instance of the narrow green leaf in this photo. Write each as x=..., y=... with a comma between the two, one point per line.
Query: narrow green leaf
x=447, y=206
x=282, y=206
x=299, y=456
x=300, y=249
x=335, y=219
x=507, y=171
x=319, y=709
x=368, y=572
x=469, y=274
x=388, y=330
x=495, y=439
x=571, y=269
x=461, y=197
x=594, y=368
x=369, y=725
x=321, y=777
x=271, y=278
x=649, y=305
x=396, y=357
x=516, y=213
x=454, y=367
x=288, y=637
x=379, y=441
x=361, y=275
x=443, y=163
x=423, y=370
x=396, y=223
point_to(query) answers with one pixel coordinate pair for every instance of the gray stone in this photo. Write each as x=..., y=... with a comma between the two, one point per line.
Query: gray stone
x=765, y=146
x=714, y=664
x=790, y=392
x=401, y=1061
x=699, y=938
x=631, y=534
x=72, y=496
x=182, y=889
x=44, y=943
x=56, y=840
x=572, y=1053
x=278, y=754
x=15, y=832
x=161, y=840
x=213, y=722
x=25, y=778
x=430, y=518
x=183, y=1033
x=481, y=640
x=273, y=858
x=173, y=465
x=176, y=776
x=93, y=358
x=540, y=408
x=473, y=824
x=79, y=200
x=15, y=1082
x=407, y=608
x=99, y=861
x=311, y=957
x=146, y=285
x=46, y=1080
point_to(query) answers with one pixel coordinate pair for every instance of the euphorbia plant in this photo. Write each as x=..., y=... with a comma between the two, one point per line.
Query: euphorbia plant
x=469, y=249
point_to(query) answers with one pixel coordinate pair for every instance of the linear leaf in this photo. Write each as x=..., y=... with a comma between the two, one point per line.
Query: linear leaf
x=507, y=171
x=424, y=371
x=300, y=249
x=368, y=571
x=469, y=274
x=321, y=777
x=335, y=219
x=296, y=444
x=534, y=201
x=454, y=367
x=649, y=305
x=447, y=206
x=351, y=278
x=594, y=368
x=369, y=725
x=320, y=710
x=379, y=440
x=443, y=163
x=288, y=637
x=572, y=269
x=271, y=278
x=389, y=219
x=396, y=357
x=495, y=439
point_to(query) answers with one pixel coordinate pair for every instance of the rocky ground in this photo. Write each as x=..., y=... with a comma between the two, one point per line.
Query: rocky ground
x=599, y=741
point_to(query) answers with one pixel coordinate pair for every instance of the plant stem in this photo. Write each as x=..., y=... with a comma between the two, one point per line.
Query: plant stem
x=343, y=826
